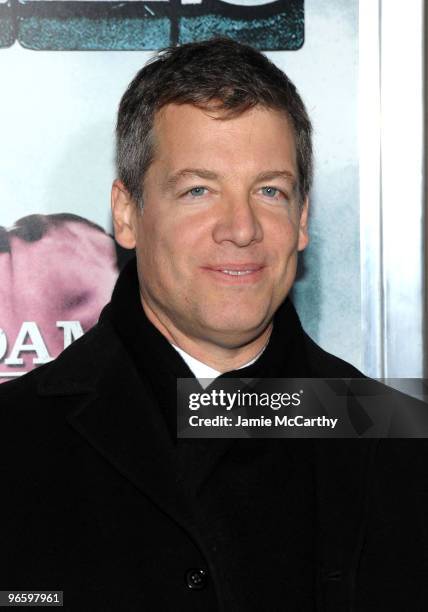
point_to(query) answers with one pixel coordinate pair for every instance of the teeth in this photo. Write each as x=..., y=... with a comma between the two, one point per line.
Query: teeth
x=237, y=272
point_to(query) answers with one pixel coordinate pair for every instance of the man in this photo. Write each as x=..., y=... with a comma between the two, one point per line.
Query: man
x=102, y=500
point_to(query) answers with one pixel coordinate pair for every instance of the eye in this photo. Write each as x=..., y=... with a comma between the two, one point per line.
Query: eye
x=270, y=192
x=197, y=192
x=274, y=194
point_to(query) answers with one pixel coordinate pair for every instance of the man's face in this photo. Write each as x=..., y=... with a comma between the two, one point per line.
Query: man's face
x=218, y=237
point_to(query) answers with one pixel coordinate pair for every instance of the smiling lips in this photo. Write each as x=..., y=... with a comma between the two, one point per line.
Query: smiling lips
x=247, y=272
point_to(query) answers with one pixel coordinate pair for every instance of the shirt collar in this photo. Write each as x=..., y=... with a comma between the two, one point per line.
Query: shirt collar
x=203, y=372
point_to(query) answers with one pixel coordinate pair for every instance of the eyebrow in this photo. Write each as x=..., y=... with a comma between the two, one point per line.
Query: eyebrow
x=268, y=175
x=172, y=180
x=274, y=174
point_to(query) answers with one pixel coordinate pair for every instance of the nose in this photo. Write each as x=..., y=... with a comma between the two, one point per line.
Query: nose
x=237, y=223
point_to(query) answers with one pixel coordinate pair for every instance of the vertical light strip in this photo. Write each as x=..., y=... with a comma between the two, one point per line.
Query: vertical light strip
x=402, y=186
x=370, y=189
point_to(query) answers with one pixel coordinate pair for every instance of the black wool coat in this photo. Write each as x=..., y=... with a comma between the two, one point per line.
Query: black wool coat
x=99, y=502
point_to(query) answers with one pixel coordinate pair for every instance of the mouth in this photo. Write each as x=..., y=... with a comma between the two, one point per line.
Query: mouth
x=236, y=273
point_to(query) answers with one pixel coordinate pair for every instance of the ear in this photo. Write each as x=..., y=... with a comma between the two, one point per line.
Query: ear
x=124, y=210
x=303, y=226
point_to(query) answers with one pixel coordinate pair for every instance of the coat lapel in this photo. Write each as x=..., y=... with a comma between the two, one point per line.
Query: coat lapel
x=115, y=412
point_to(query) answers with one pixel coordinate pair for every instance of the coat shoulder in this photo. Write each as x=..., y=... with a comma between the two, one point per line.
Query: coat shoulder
x=33, y=407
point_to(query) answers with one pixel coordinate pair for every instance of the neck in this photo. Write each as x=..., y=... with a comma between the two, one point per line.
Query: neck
x=221, y=358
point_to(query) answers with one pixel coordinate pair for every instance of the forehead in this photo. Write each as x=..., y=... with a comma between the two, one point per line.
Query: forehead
x=186, y=134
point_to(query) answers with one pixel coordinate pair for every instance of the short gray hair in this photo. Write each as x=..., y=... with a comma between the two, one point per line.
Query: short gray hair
x=231, y=75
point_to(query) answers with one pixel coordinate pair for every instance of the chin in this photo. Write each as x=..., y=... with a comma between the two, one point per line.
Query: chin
x=236, y=331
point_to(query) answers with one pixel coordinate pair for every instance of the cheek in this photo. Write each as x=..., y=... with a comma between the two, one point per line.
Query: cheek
x=284, y=241
x=160, y=248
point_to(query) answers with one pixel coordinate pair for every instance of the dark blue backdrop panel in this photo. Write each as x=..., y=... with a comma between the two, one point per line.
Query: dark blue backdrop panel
x=125, y=26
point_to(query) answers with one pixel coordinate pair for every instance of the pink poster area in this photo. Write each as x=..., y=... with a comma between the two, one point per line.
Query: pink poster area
x=57, y=273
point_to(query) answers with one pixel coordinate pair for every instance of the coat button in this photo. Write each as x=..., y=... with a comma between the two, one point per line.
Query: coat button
x=196, y=578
